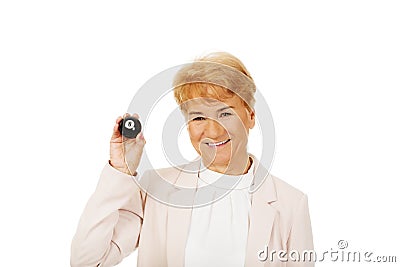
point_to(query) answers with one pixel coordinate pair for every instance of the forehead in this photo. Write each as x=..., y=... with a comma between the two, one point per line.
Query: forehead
x=210, y=103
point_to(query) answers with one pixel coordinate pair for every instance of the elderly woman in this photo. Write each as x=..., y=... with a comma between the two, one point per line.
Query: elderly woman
x=268, y=226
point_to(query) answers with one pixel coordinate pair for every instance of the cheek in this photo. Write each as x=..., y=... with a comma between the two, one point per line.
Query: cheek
x=234, y=126
x=194, y=131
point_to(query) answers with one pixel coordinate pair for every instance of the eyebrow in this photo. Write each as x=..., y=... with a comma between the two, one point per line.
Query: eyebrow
x=201, y=113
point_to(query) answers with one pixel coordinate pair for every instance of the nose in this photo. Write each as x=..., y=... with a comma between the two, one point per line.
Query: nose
x=214, y=129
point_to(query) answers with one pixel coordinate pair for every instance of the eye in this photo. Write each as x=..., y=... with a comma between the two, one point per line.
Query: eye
x=198, y=119
x=225, y=114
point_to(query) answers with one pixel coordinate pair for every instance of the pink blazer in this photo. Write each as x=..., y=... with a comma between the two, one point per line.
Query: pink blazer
x=119, y=218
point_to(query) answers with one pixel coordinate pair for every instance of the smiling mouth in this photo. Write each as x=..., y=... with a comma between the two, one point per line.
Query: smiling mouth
x=218, y=144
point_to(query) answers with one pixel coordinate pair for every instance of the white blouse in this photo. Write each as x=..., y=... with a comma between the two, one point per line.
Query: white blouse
x=218, y=231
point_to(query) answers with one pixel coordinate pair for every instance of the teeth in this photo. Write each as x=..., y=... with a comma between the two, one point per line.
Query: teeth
x=219, y=143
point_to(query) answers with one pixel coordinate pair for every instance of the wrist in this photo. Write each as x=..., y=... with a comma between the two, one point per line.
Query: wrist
x=123, y=169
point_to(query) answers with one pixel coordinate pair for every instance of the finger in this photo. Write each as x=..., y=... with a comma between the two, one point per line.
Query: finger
x=115, y=136
x=118, y=119
x=140, y=140
x=131, y=115
x=116, y=133
x=116, y=126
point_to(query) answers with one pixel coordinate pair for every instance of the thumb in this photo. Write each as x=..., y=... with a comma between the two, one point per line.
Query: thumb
x=140, y=140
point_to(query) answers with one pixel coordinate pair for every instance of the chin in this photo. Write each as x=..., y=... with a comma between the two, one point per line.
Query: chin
x=215, y=161
x=222, y=161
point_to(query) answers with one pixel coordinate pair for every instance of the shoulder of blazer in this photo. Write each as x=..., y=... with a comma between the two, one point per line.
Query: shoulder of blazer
x=285, y=191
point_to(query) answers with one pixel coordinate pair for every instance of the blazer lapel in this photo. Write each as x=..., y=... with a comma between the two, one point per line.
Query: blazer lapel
x=179, y=218
x=262, y=215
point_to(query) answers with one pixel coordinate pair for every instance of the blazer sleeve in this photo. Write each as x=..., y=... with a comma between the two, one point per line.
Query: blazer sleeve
x=300, y=237
x=110, y=224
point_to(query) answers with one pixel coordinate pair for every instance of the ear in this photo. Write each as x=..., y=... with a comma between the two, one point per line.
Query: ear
x=251, y=117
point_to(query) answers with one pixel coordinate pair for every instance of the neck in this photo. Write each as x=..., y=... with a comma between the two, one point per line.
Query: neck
x=240, y=165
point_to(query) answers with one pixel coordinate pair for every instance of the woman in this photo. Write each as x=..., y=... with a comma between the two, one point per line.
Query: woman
x=237, y=227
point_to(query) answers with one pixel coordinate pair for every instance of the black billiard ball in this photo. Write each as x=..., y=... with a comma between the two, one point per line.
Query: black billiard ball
x=130, y=127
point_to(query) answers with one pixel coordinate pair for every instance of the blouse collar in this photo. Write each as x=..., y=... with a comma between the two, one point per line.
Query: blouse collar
x=220, y=180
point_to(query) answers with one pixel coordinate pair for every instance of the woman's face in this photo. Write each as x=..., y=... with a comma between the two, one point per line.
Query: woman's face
x=219, y=130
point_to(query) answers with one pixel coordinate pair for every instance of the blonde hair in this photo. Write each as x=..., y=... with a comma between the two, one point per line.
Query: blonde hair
x=218, y=75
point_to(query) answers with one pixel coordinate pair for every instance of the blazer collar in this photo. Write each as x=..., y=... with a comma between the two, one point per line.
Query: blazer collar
x=262, y=215
x=262, y=181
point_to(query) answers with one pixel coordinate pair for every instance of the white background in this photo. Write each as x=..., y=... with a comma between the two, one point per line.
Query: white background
x=330, y=71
